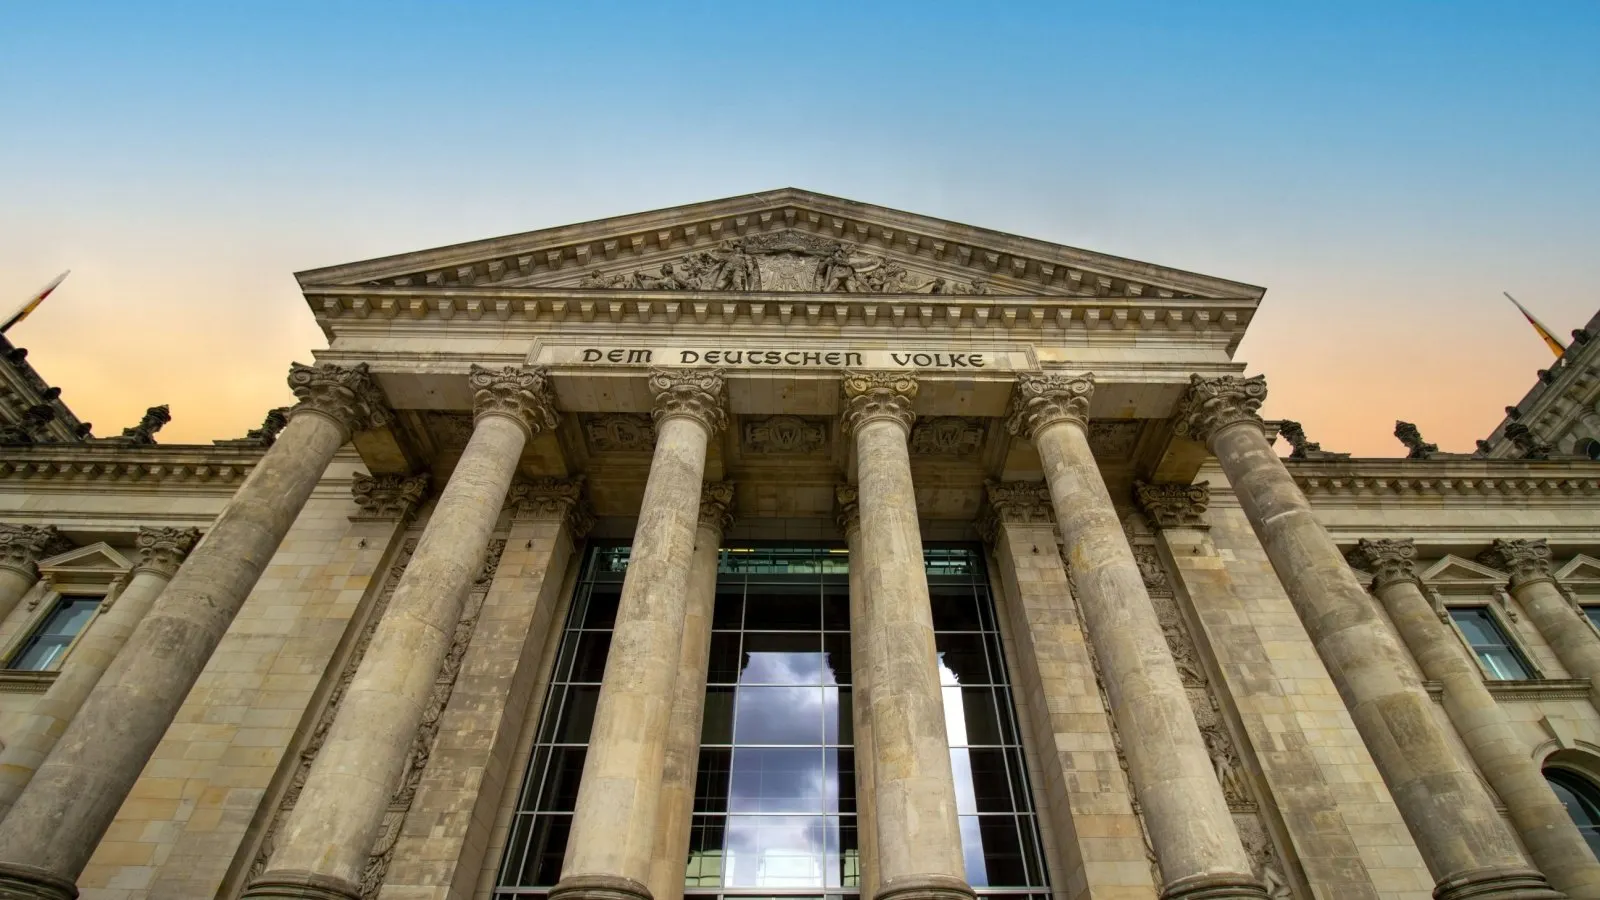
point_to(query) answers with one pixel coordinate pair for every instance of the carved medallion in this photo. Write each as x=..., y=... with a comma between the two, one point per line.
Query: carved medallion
x=610, y=432
x=784, y=434
x=947, y=436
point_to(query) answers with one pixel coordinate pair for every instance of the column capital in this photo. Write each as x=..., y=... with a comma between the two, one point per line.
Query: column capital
x=162, y=550
x=848, y=501
x=551, y=498
x=1014, y=502
x=716, y=506
x=387, y=496
x=345, y=394
x=520, y=394
x=1388, y=559
x=1526, y=560
x=22, y=546
x=1172, y=504
x=1041, y=400
x=870, y=396
x=1213, y=404
x=698, y=394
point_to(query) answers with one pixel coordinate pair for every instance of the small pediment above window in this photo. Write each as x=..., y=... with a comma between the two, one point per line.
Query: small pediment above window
x=1455, y=572
x=96, y=564
x=1582, y=570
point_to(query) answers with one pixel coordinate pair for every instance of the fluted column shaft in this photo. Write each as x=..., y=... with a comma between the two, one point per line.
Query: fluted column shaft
x=1467, y=846
x=161, y=550
x=54, y=826
x=613, y=835
x=1196, y=844
x=860, y=685
x=918, y=836
x=682, y=755
x=328, y=836
x=1558, y=849
x=1562, y=626
x=21, y=548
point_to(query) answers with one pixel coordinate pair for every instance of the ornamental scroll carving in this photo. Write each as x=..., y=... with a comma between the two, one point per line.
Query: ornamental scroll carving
x=552, y=498
x=1041, y=400
x=521, y=394
x=346, y=394
x=1388, y=559
x=782, y=261
x=1526, y=560
x=879, y=395
x=1016, y=502
x=947, y=436
x=22, y=546
x=387, y=496
x=699, y=394
x=162, y=550
x=1174, y=505
x=716, y=506
x=847, y=500
x=1213, y=404
x=784, y=434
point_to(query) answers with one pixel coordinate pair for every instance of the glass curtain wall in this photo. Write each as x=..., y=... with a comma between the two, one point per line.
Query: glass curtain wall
x=774, y=807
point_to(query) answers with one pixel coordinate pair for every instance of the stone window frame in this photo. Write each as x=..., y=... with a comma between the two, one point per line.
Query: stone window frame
x=1449, y=597
x=59, y=578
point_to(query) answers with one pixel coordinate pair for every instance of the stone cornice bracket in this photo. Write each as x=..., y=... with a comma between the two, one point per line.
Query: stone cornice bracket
x=520, y=394
x=1388, y=559
x=1174, y=505
x=22, y=546
x=1213, y=404
x=699, y=394
x=848, y=500
x=1041, y=400
x=387, y=496
x=1526, y=560
x=345, y=394
x=716, y=506
x=1014, y=502
x=162, y=550
x=551, y=498
x=870, y=396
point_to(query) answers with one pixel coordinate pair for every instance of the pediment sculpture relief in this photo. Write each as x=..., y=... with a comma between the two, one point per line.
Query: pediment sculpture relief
x=787, y=261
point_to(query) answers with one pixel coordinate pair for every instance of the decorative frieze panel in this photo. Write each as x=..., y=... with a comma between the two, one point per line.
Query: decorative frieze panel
x=449, y=430
x=784, y=434
x=947, y=436
x=620, y=432
x=1114, y=440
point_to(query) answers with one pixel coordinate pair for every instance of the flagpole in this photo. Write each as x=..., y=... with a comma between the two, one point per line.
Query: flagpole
x=1546, y=334
x=33, y=302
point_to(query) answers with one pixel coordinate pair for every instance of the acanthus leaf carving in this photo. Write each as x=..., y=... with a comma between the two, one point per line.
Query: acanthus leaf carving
x=1525, y=560
x=1040, y=400
x=870, y=396
x=699, y=394
x=1173, y=504
x=847, y=499
x=521, y=394
x=1388, y=559
x=162, y=550
x=716, y=506
x=387, y=496
x=552, y=498
x=346, y=394
x=22, y=546
x=1213, y=404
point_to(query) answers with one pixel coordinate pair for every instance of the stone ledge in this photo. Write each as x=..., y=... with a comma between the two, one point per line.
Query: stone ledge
x=19, y=681
x=96, y=462
x=1531, y=690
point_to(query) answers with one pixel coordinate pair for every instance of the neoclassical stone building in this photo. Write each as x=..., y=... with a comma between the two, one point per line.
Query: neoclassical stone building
x=787, y=546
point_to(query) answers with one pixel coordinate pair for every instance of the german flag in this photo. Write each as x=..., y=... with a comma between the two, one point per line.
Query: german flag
x=1550, y=341
x=33, y=302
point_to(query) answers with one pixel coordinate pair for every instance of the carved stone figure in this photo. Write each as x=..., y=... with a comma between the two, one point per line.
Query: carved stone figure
x=597, y=279
x=1226, y=765
x=1412, y=438
x=836, y=274
x=737, y=271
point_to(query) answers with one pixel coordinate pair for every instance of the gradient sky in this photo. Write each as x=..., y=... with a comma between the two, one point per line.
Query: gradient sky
x=1385, y=169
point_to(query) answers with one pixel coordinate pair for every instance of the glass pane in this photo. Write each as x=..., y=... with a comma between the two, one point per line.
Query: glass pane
x=72, y=613
x=728, y=613
x=711, y=780
x=970, y=716
x=981, y=782
x=717, y=725
x=706, y=836
x=1477, y=626
x=778, y=780
x=836, y=607
x=545, y=838
x=778, y=715
x=1593, y=612
x=775, y=851
x=837, y=667
x=838, y=726
x=589, y=656
x=601, y=609
x=40, y=653
x=724, y=665
x=848, y=871
x=578, y=717
x=782, y=658
x=954, y=608
x=961, y=658
x=560, y=791
x=992, y=852
x=1503, y=663
x=778, y=607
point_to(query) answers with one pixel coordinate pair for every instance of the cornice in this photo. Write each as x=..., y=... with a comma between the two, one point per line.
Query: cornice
x=164, y=464
x=1467, y=479
x=1542, y=689
x=20, y=681
x=1558, y=399
x=1012, y=261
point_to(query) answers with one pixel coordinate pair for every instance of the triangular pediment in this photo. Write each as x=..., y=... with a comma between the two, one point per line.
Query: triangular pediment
x=1452, y=569
x=1582, y=568
x=96, y=557
x=784, y=240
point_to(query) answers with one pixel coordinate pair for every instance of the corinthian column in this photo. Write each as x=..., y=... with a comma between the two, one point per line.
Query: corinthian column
x=1563, y=626
x=21, y=548
x=689, y=697
x=849, y=517
x=1191, y=829
x=1558, y=849
x=918, y=838
x=1467, y=846
x=613, y=826
x=161, y=550
x=328, y=836
x=69, y=804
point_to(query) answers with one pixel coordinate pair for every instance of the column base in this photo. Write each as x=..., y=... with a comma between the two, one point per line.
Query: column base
x=1222, y=886
x=19, y=882
x=924, y=887
x=599, y=887
x=288, y=884
x=1496, y=883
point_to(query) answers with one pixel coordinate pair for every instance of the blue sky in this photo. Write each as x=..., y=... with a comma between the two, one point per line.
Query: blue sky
x=1384, y=169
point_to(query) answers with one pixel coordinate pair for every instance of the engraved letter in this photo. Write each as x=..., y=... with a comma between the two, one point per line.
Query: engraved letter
x=614, y=355
x=690, y=357
x=640, y=356
x=591, y=355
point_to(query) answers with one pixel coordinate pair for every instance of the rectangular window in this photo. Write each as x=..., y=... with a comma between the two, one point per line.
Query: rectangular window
x=43, y=649
x=1494, y=648
x=1593, y=612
